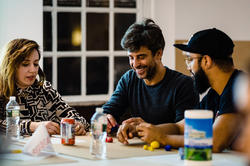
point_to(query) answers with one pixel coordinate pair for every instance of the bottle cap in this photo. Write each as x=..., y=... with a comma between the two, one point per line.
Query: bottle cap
x=99, y=109
x=12, y=97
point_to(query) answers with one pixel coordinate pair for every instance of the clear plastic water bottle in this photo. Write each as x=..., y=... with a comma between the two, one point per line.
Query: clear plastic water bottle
x=99, y=134
x=12, y=118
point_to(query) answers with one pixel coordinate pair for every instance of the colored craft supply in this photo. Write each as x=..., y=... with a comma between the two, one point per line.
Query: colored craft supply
x=16, y=151
x=145, y=147
x=155, y=144
x=109, y=139
x=151, y=148
x=11, y=151
x=168, y=147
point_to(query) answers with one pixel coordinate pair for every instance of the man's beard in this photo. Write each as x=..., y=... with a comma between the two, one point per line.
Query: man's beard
x=150, y=72
x=201, y=82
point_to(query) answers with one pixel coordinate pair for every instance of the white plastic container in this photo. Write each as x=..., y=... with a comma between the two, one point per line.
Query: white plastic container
x=198, y=138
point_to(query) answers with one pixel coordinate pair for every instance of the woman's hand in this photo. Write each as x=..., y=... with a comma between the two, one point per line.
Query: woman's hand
x=79, y=128
x=52, y=127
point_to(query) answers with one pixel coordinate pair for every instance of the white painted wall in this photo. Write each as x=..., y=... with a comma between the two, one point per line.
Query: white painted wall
x=164, y=16
x=230, y=16
x=179, y=19
x=21, y=19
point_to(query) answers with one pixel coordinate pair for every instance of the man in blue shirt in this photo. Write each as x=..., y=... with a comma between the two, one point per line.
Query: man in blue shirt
x=150, y=90
x=209, y=59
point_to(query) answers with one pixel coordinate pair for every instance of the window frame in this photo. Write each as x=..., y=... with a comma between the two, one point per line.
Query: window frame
x=83, y=53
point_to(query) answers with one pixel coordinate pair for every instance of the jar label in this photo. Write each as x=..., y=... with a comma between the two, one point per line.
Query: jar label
x=198, y=139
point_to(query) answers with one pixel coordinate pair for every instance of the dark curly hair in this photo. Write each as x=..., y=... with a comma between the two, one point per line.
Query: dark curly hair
x=146, y=33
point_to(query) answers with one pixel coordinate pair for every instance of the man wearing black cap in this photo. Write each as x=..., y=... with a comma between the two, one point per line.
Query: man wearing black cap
x=209, y=59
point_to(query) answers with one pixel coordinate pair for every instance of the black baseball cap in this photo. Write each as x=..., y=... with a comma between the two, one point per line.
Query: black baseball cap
x=211, y=42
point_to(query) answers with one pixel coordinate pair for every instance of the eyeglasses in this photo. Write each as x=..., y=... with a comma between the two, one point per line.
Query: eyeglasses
x=189, y=59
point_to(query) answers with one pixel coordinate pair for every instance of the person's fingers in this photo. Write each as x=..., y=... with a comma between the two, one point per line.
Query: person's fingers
x=109, y=125
x=135, y=120
x=124, y=131
x=128, y=120
x=130, y=135
x=56, y=127
x=131, y=132
x=84, y=132
x=80, y=131
x=77, y=129
x=111, y=120
x=108, y=130
x=140, y=133
x=120, y=135
x=78, y=126
x=143, y=126
x=143, y=139
x=139, y=128
x=52, y=127
x=52, y=130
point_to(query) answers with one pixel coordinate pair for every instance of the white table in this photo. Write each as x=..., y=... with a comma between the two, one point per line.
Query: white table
x=219, y=159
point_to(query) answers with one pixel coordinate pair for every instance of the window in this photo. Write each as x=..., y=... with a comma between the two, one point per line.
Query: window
x=82, y=54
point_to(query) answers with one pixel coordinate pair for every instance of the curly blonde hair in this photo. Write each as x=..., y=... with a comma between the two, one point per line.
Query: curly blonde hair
x=15, y=53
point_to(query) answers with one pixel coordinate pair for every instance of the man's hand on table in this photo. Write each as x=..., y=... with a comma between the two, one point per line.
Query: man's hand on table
x=148, y=132
x=134, y=120
x=128, y=129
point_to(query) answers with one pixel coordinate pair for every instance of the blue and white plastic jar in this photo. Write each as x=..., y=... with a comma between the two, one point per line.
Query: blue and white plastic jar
x=198, y=137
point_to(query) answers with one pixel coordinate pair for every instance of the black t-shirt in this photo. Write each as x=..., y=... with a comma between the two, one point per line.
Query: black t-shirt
x=221, y=104
x=164, y=102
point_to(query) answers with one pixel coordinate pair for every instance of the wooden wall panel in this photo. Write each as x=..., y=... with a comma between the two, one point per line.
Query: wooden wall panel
x=241, y=56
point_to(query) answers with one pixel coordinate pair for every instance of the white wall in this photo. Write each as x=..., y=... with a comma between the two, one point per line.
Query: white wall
x=179, y=19
x=21, y=19
x=230, y=16
x=164, y=15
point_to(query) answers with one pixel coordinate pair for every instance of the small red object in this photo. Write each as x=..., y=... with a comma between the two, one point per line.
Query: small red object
x=109, y=139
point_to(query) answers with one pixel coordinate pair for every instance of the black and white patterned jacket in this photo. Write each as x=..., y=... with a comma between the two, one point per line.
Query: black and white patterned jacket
x=40, y=103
